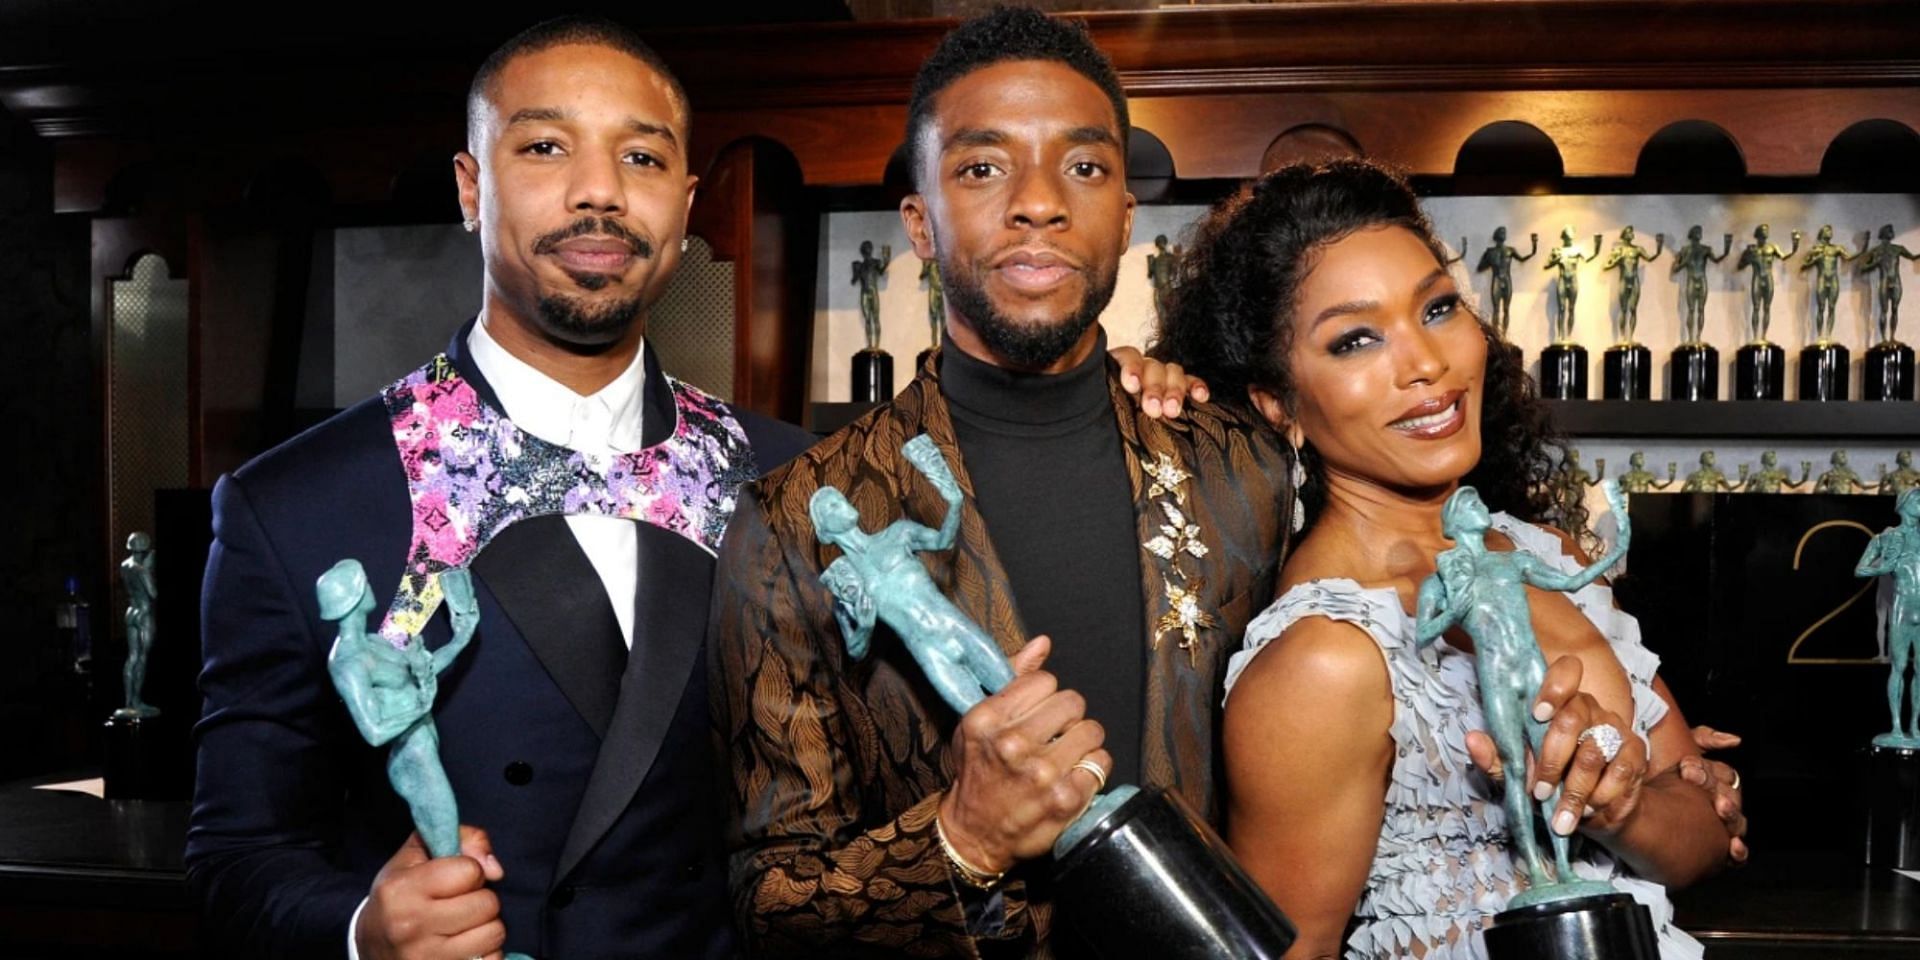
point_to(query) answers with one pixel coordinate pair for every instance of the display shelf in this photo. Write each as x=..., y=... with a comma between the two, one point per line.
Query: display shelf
x=1667, y=419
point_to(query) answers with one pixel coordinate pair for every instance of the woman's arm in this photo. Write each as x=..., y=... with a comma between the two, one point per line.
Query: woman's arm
x=1672, y=835
x=1307, y=755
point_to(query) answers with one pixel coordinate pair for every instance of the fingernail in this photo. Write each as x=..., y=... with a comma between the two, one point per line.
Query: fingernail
x=1173, y=408
x=494, y=862
x=1563, y=822
x=1153, y=406
x=1586, y=812
x=1542, y=790
x=1543, y=711
x=1132, y=383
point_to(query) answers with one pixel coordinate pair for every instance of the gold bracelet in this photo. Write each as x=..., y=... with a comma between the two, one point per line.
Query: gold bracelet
x=969, y=874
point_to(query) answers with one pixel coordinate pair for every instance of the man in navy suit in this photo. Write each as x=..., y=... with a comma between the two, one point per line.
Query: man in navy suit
x=573, y=727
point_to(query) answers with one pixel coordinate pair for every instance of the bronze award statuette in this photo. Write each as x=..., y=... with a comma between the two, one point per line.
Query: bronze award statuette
x=1139, y=874
x=1627, y=366
x=1824, y=363
x=1760, y=366
x=872, y=367
x=1695, y=370
x=1563, y=364
x=1888, y=370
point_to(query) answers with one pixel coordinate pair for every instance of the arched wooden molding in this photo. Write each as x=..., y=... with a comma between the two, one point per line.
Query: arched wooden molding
x=1690, y=156
x=1872, y=156
x=1309, y=143
x=1508, y=156
x=1150, y=170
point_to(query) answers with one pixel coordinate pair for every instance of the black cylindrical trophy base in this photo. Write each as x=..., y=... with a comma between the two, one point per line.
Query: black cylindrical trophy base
x=1893, y=807
x=872, y=376
x=1760, y=372
x=1153, y=881
x=136, y=756
x=1695, y=374
x=1626, y=372
x=1888, y=372
x=1563, y=372
x=1823, y=371
x=1610, y=926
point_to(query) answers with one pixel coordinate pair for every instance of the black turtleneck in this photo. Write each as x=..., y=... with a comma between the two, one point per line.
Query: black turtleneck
x=1050, y=480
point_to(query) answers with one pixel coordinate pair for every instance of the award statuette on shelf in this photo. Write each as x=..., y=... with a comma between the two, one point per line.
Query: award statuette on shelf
x=1563, y=364
x=1695, y=371
x=1708, y=479
x=1627, y=366
x=1163, y=273
x=936, y=310
x=1138, y=874
x=1903, y=478
x=1485, y=591
x=872, y=367
x=1769, y=478
x=389, y=691
x=1893, y=824
x=1839, y=478
x=1824, y=363
x=1498, y=260
x=1888, y=371
x=1638, y=479
x=1568, y=483
x=133, y=769
x=1759, y=366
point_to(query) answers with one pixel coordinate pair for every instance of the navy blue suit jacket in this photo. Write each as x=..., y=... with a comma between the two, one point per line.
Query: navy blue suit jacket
x=591, y=770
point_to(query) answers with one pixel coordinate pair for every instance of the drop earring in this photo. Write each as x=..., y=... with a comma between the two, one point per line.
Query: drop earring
x=683, y=244
x=471, y=226
x=1299, y=477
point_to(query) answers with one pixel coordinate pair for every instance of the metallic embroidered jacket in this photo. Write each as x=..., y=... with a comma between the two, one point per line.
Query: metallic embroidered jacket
x=838, y=766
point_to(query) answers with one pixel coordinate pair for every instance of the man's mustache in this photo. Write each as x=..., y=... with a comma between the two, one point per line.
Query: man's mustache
x=594, y=227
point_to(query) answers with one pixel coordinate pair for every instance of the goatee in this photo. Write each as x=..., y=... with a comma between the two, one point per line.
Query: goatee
x=1030, y=345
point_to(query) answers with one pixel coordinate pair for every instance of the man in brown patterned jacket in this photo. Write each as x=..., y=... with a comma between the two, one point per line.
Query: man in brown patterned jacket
x=867, y=818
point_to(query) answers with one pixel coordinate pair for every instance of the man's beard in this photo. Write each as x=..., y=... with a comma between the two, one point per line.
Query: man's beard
x=574, y=321
x=1033, y=345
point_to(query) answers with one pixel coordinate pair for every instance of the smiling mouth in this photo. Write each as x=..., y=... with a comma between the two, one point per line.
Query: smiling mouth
x=1438, y=423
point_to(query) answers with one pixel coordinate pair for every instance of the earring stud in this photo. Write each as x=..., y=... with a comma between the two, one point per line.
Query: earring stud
x=683, y=244
x=471, y=226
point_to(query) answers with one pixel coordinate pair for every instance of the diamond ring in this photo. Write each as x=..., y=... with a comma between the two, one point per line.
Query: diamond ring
x=1604, y=736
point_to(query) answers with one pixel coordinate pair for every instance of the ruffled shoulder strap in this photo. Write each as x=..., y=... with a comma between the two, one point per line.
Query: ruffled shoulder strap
x=1377, y=611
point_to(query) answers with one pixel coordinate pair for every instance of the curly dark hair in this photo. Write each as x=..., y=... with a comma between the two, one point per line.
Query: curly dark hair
x=1230, y=320
x=1002, y=35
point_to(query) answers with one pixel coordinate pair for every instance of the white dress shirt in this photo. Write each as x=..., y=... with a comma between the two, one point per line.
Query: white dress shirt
x=601, y=426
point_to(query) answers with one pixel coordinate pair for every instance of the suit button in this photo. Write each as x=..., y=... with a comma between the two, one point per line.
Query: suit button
x=562, y=896
x=519, y=773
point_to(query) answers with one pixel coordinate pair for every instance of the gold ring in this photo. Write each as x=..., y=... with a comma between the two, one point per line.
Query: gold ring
x=1092, y=766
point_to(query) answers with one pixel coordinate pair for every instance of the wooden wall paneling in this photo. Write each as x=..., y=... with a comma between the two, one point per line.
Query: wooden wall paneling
x=774, y=345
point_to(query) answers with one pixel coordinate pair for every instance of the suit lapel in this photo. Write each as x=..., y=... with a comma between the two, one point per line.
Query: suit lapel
x=550, y=591
x=670, y=615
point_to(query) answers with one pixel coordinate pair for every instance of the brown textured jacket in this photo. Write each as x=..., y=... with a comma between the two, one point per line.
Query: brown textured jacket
x=838, y=766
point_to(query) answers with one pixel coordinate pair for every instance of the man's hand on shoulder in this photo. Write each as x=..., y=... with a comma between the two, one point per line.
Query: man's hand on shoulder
x=1017, y=786
x=422, y=908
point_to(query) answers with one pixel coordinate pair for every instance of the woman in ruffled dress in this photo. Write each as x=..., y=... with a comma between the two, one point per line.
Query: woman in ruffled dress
x=1362, y=792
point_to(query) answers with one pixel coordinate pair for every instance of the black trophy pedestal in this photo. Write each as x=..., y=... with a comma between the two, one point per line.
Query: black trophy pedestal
x=1823, y=371
x=1695, y=374
x=136, y=755
x=1888, y=372
x=1563, y=372
x=1893, y=807
x=1626, y=372
x=1760, y=372
x=1610, y=926
x=872, y=376
x=1152, y=880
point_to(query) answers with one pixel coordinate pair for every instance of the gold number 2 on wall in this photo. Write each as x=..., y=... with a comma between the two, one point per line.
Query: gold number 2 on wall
x=1793, y=652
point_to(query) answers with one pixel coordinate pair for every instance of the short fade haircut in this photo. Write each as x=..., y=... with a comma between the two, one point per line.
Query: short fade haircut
x=559, y=32
x=1004, y=35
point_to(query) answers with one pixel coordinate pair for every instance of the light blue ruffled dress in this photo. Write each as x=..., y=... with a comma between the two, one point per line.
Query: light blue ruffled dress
x=1442, y=867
